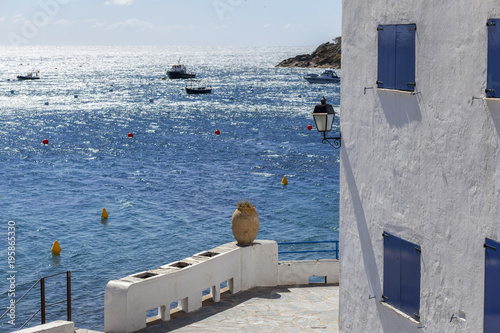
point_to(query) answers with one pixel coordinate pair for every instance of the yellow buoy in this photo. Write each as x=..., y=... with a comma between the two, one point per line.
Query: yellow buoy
x=56, y=248
x=284, y=181
x=104, y=214
x=163, y=78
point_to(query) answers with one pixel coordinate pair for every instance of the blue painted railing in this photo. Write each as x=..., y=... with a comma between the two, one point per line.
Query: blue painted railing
x=335, y=249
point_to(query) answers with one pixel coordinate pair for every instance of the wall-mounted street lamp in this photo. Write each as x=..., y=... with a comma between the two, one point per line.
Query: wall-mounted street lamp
x=323, y=115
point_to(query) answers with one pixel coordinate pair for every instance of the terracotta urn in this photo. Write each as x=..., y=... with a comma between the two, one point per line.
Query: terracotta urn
x=245, y=223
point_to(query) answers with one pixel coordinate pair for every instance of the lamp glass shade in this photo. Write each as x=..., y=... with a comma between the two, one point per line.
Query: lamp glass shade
x=320, y=120
x=329, y=121
x=324, y=121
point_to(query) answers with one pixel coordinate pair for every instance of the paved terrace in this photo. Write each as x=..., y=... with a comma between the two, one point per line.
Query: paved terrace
x=310, y=308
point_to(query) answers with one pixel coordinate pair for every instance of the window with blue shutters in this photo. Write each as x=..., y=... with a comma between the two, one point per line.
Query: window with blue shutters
x=396, y=56
x=492, y=286
x=402, y=275
x=493, y=79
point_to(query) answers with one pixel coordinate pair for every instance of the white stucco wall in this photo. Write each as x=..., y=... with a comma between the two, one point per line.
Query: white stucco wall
x=423, y=167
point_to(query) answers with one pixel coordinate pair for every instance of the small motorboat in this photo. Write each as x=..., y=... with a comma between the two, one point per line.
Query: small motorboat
x=179, y=71
x=199, y=90
x=328, y=76
x=202, y=89
x=29, y=76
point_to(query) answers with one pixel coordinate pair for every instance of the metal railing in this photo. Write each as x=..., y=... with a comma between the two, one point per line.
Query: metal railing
x=334, y=250
x=42, y=298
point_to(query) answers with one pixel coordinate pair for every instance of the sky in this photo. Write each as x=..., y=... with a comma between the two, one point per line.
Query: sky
x=168, y=22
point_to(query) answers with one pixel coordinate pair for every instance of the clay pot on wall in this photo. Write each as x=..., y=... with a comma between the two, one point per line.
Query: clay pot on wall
x=245, y=223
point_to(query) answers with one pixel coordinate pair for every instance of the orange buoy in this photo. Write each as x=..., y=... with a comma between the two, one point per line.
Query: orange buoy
x=130, y=135
x=45, y=141
x=217, y=132
x=309, y=127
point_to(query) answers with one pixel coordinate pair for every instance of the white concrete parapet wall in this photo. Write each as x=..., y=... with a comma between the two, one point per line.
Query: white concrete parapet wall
x=128, y=299
x=299, y=271
x=58, y=326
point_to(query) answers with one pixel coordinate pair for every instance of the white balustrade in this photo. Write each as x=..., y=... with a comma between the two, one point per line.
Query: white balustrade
x=127, y=300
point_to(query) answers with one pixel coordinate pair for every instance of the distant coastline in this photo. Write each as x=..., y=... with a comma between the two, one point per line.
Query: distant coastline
x=327, y=55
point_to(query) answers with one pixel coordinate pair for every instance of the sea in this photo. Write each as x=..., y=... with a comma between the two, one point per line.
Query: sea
x=171, y=189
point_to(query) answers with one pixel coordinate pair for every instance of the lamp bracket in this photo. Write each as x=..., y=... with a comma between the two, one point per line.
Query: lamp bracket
x=336, y=141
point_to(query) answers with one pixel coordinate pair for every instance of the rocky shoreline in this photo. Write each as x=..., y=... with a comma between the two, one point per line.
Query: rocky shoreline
x=327, y=55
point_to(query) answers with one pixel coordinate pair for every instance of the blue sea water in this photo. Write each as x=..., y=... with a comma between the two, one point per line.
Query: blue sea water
x=170, y=191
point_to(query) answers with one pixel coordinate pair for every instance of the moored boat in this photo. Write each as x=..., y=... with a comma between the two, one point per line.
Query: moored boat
x=198, y=90
x=179, y=71
x=328, y=76
x=202, y=89
x=29, y=76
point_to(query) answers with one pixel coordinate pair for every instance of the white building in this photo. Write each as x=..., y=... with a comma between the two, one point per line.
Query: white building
x=420, y=166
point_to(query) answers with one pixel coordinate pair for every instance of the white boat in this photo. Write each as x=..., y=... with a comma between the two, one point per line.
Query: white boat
x=328, y=76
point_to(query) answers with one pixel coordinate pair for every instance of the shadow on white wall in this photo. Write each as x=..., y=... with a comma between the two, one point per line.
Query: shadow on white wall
x=400, y=108
x=494, y=108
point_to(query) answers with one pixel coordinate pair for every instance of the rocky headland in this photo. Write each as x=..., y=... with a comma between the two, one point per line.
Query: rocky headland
x=327, y=55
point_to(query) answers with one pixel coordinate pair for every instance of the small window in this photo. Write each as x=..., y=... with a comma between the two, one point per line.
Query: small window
x=402, y=275
x=396, y=56
x=493, y=79
x=491, y=287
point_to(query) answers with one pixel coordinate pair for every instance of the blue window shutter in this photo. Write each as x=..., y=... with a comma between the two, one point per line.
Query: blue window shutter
x=492, y=286
x=410, y=279
x=386, y=57
x=405, y=57
x=392, y=270
x=493, y=79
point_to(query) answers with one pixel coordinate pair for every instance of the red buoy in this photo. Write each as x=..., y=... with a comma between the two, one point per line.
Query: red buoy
x=130, y=135
x=45, y=141
x=309, y=127
x=217, y=132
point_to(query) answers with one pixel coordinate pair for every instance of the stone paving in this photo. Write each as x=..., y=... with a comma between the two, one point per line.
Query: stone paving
x=311, y=308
